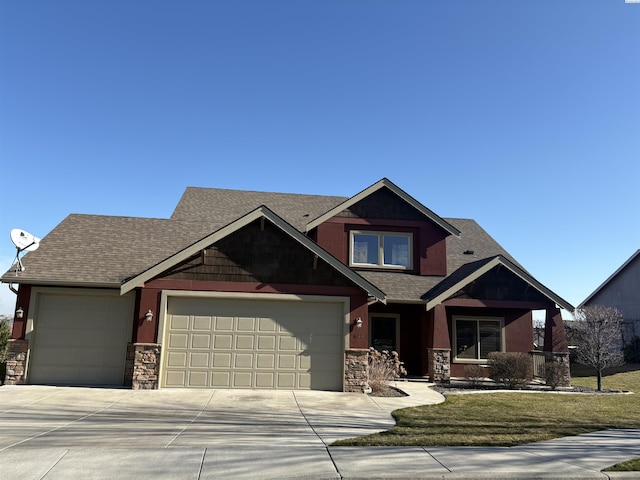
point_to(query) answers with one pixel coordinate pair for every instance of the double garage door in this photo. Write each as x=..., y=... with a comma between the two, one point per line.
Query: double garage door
x=244, y=343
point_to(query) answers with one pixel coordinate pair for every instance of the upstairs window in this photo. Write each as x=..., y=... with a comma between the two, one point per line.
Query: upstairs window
x=382, y=250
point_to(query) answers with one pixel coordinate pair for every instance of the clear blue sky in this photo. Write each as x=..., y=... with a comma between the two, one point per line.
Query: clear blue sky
x=524, y=116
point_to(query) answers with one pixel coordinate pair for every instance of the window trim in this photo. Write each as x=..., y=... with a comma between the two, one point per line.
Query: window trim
x=454, y=326
x=381, y=234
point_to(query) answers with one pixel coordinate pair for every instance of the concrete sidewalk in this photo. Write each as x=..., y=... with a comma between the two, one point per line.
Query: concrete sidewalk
x=82, y=433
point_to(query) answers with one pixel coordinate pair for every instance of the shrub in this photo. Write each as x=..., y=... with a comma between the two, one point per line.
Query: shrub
x=554, y=374
x=383, y=367
x=513, y=369
x=474, y=373
x=5, y=335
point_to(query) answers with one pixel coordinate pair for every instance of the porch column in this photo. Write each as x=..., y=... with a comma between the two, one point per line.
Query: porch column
x=439, y=351
x=556, y=349
x=555, y=338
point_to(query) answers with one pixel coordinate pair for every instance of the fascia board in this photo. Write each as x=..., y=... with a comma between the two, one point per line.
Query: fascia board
x=467, y=280
x=500, y=260
x=395, y=189
x=611, y=277
x=260, y=212
x=61, y=283
x=324, y=255
x=139, y=280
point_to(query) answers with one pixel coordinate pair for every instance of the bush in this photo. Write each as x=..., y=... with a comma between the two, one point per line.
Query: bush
x=474, y=373
x=554, y=374
x=383, y=367
x=513, y=369
x=5, y=335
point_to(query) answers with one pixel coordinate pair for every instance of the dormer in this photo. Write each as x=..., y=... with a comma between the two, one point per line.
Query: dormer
x=383, y=228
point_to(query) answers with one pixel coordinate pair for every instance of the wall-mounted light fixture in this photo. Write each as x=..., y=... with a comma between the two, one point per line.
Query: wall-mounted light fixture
x=19, y=312
x=148, y=316
x=359, y=322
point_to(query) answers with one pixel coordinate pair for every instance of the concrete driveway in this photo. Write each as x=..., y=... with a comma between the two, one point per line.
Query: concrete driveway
x=49, y=433
x=71, y=417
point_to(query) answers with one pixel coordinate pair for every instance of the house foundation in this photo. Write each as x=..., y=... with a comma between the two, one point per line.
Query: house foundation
x=142, y=366
x=16, y=362
x=356, y=370
x=439, y=365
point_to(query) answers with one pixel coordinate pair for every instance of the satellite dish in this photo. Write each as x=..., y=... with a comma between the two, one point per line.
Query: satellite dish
x=23, y=241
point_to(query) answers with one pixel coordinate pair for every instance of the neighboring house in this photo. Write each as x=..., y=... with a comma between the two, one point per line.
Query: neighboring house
x=243, y=289
x=622, y=291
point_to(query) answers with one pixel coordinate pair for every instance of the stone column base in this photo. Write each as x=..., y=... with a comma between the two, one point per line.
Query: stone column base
x=16, y=362
x=356, y=370
x=142, y=366
x=439, y=365
x=561, y=358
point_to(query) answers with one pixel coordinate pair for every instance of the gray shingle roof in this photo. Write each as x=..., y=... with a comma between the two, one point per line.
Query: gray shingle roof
x=410, y=288
x=101, y=249
x=224, y=206
x=107, y=250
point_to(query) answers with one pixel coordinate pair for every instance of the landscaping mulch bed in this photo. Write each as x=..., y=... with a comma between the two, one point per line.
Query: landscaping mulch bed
x=468, y=387
x=388, y=391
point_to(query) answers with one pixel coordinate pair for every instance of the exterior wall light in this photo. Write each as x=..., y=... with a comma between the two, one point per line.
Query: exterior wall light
x=19, y=312
x=148, y=316
x=359, y=322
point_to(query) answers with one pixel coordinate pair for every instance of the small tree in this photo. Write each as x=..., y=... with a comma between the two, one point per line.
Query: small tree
x=598, y=336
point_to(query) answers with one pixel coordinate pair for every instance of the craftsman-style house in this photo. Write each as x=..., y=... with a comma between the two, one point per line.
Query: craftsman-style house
x=242, y=289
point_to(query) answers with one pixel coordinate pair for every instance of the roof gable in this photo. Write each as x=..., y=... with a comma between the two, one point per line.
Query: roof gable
x=635, y=257
x=384, y=183
x=470, y=272
x=259, y=213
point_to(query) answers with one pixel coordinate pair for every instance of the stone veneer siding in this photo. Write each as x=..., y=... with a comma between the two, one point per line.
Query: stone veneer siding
x=16, y=362
x=356, y=370
x=439, y=365
x=142, y=366
x=562, y=359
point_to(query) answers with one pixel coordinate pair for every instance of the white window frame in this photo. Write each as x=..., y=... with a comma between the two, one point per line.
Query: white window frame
x=381, y=235
x=456, y=318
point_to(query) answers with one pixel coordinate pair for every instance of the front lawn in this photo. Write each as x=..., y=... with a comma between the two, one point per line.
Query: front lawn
x=507, y=419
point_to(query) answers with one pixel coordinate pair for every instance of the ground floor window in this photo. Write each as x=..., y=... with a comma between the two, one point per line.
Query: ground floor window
x=475, y=338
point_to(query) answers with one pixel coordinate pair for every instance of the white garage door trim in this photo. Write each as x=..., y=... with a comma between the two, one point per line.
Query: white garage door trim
x=163, y=327
x=116, y=351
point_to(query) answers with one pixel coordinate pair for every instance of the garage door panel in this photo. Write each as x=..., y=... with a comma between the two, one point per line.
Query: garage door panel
x=177, y=359
x=254, y=344
x=202, y=323
x=80, y=338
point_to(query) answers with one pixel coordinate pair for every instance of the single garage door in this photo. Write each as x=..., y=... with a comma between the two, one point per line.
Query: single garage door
x=80, y=339
x=242, y=343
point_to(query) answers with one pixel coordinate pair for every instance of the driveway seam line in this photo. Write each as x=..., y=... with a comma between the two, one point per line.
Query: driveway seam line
x=31, y=403
x=61, y=426
x=442, y=464
x=326, y=447
x=191, y=422
x=204, y=454
x=54, y=464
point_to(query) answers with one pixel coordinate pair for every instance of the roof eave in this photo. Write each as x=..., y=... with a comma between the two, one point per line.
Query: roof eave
x=500, y=260
x=611, y=277
x=385, y=182
x=260, y=212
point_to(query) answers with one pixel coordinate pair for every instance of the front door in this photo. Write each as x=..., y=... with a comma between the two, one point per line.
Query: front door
x=384, y=333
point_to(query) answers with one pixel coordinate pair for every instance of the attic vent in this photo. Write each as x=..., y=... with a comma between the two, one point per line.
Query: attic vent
x=305, y=215
x=469, y=252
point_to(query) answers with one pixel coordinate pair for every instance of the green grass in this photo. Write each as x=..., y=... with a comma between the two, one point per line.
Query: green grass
x=630, y=466
x=507, y=419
